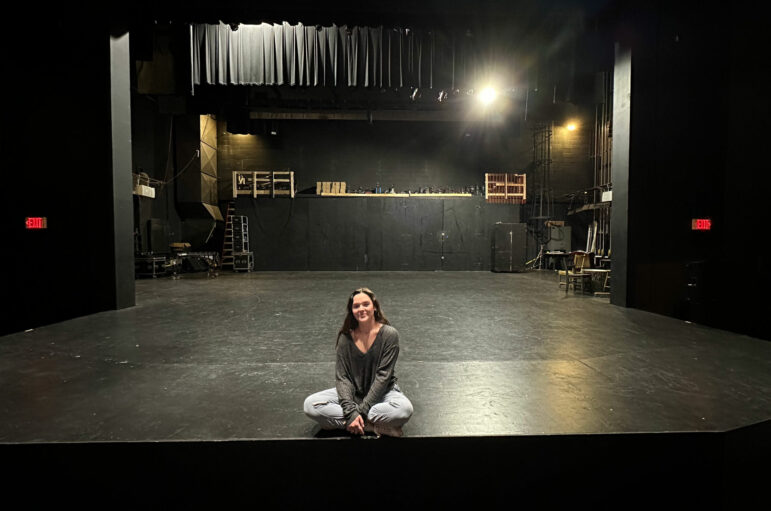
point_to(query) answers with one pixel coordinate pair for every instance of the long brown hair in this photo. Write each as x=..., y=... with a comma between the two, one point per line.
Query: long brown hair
x=350, y=323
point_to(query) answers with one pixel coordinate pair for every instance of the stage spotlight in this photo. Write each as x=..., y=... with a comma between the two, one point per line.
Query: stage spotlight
x=487, y=95
x=571, y=126
x=414, y=94
x=442, y=96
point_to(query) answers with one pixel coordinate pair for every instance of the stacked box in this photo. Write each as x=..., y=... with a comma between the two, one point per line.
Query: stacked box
x=330, y=187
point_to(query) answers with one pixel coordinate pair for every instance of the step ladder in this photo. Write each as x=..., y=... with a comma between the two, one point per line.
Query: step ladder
x=227, y=243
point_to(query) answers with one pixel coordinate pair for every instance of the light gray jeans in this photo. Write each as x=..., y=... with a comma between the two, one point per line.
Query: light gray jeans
x=324, y=407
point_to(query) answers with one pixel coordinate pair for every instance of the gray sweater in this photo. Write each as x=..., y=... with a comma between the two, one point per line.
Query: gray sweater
x=362, y=379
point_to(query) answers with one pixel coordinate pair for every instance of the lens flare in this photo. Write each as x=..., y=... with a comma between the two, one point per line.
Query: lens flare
x=487, y=95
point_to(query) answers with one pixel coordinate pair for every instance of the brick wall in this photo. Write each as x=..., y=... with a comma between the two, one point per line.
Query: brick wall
x=571, y=168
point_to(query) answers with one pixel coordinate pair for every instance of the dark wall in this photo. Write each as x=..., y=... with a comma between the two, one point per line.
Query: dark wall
x=57, y=146
x=695, y=153
x=326, y=233
x=746, y=182
x=408, y=155
x=155, y=123
x=571, y=168
x=377, y=233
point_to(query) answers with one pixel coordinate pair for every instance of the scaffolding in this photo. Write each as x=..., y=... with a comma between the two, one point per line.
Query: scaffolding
x=543, y=205
x=542, y=209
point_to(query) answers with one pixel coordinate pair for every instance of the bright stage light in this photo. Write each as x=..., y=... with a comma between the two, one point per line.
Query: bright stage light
x=487, y=95
x=572, y=126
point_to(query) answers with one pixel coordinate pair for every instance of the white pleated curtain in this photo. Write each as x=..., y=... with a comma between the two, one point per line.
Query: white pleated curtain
x=273, y=54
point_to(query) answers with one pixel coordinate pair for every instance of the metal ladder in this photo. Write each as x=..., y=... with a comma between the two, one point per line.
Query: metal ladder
x=227, y=243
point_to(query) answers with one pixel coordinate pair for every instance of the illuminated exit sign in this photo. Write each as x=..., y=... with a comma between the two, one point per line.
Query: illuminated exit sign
x=701, y=224
x=36, y=222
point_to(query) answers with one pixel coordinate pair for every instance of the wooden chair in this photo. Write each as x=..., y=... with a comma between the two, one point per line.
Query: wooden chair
x=578, y=262
x=576, y=276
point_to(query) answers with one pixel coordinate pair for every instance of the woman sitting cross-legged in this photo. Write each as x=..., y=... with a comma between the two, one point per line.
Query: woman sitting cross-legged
x=366, y=397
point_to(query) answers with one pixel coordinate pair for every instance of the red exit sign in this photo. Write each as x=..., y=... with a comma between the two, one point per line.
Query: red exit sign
x=36, y=222
x=701, y=224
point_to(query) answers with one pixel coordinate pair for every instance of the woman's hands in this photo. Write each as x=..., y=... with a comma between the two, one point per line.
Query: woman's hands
x=356, y=426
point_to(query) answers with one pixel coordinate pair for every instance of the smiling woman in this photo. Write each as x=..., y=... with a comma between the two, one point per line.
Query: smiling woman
x=366, y=397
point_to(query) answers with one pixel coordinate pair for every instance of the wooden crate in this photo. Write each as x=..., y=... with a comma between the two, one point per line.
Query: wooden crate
x=504, y=188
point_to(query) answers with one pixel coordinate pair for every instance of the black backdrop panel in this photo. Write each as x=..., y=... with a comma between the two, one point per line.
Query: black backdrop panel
x=158, y=236
x=429, y=214
x=295, y=234
x=461, y=221
x=278, y=232
x=332, y=227
x=356, y=214
x=373, y=239
x=468, y=227
x=391, y=240
x=377, y=233
x=509, y=248
x=398, y=224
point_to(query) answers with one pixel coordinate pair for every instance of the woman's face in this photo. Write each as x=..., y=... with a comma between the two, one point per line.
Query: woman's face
x=362, y=308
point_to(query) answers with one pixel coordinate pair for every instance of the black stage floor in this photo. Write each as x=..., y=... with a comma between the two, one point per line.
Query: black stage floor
x=483, y=355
